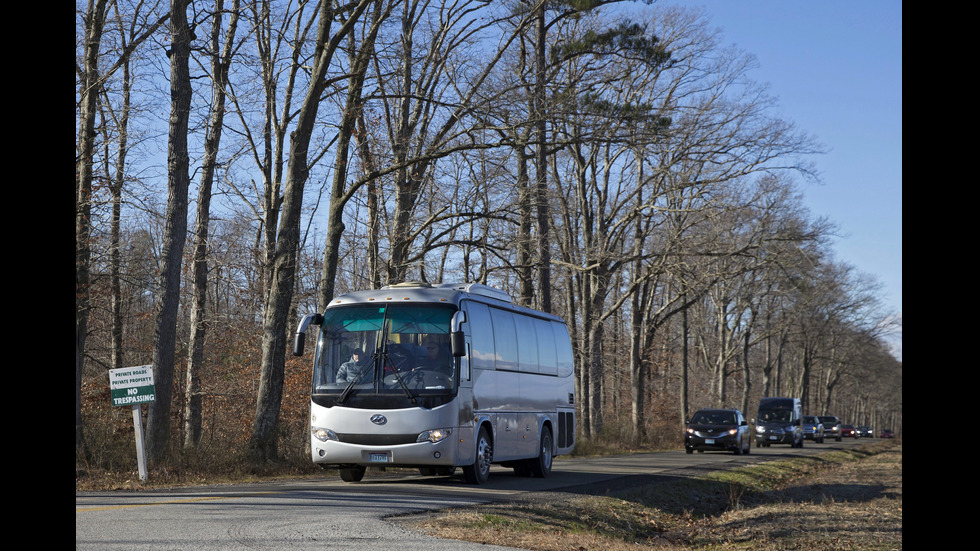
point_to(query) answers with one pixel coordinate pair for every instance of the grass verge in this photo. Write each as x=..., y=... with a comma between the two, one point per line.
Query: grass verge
x=837, y=500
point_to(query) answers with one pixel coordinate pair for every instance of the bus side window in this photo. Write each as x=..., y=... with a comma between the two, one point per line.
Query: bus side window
x=482, y=352
x=547, y=353
x=527, y=344
x=504, y=339
x=566, y=360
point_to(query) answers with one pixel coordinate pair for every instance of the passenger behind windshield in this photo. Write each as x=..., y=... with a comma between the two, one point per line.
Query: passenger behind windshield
x=437, y=357
x=358, y=368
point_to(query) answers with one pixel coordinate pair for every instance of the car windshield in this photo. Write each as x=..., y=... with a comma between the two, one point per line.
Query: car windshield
x=829, y=420
x=713, y=418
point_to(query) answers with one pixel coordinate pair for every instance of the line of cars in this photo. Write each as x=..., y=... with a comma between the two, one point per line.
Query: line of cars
x=818, y=427
x=780, y=422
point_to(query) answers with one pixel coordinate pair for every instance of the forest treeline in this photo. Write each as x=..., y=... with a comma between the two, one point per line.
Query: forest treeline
x=239, y=163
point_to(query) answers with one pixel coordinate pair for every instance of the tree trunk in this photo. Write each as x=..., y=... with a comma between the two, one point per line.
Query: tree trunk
x=175, y=234
x=117, y=353
x=353, y=119
x=90, y=86
x=685, y=364
x=541, y=167
x=88, y=107
x=193, y=417
x=525, y=281
x=263, y=445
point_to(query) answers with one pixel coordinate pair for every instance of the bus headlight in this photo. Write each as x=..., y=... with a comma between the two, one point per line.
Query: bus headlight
x=434, y=435
x=323, y=434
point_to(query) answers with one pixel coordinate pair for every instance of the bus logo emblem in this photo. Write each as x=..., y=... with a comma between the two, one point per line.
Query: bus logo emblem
x=379, y=419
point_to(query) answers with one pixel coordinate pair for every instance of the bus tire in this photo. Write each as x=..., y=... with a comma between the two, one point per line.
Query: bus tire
x=352, y=474
x=479, y=471
x=541, y=466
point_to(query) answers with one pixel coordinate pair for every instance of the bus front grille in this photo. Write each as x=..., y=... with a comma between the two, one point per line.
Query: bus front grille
x=378, y=439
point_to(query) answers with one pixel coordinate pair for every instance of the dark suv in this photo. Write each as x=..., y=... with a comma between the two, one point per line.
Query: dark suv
x=718, y=429
x=831, y=426
x=813, y=429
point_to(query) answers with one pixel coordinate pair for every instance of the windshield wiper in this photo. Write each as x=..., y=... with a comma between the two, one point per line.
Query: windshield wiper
x=398, y=377
x=350, y=386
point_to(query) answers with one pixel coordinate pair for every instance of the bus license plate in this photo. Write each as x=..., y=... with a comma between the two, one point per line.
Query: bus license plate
x=379, y=458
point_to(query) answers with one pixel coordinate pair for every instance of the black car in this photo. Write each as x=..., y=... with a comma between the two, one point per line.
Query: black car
x=864, y=431
x=831, y=426
x=719, y=430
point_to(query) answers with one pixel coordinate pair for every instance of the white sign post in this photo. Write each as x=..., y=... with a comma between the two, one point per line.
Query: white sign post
x=134, y=386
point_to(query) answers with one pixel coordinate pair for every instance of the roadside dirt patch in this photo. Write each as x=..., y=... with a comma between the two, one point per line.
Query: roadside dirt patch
x=854, y=505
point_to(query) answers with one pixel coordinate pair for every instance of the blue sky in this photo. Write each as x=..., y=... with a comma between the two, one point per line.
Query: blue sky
x=836, y=68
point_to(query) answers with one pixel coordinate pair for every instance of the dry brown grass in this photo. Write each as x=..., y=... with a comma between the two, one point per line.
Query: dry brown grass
x=851, y=501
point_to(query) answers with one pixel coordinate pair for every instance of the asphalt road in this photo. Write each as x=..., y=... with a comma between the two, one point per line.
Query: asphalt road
x=331, y=514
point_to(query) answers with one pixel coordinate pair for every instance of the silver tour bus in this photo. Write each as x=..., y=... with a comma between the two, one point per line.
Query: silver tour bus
x=439, y=376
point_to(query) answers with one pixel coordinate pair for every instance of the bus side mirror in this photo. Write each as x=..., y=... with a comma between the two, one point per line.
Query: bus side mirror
x=299, y=341
x=457, y=337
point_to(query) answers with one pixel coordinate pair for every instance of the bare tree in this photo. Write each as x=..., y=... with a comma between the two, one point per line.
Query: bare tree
x=360, y=53
x=703, y=132
x=220, y=58
x=263, y=442
x=175, y=235
x=91, y=74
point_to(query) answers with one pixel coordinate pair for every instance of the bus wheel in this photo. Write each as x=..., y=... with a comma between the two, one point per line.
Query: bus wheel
x=479, y=471
x=541, y=467
x=352, y=474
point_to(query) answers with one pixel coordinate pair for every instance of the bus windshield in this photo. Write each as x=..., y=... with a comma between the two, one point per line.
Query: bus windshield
x=383, y=349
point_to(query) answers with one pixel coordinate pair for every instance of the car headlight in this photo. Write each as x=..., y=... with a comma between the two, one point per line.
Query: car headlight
x=733, y=432
x=434, y=435
x=760, y=429
x=323, y=434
